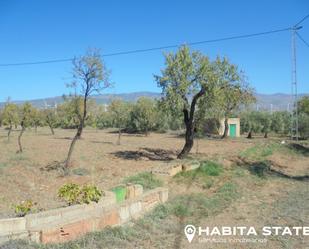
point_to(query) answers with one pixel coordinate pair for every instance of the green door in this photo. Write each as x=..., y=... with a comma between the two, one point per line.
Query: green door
x=232, y=130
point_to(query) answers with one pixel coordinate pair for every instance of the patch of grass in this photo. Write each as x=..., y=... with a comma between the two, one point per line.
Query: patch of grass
x=18, y=157
x=146, y=179
x=198, y=205
x=3, y=165
x=207, y=168
x=239, y=172
x=210, y=168
x=81, y=172
x=298, y=149
x=260, y=151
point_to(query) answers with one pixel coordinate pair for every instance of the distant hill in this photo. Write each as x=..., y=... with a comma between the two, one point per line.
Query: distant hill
x=277, y=101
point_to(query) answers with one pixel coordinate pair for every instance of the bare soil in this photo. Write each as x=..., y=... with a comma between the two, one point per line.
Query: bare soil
x=97, y=153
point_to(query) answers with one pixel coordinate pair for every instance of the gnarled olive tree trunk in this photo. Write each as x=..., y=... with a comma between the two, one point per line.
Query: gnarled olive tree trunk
x=78, y=133
x=189, y=123
x=23, y=128
x=226, y=128
x=249, y=134
x=9, y=132
x=119, y=136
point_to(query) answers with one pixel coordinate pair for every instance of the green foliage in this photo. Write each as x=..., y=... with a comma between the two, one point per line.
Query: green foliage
x=184, y=75
x=104, y=119
x=50, y=117
x=257, y=122
x=74, y=194
x=146, y=179
x=23, y=208
x=27, y=113
x=235, y=91
x=120, y=113
x=10, y=115
x=260, y=151
x=198, y=205
x=210, y=168
x=143, y=116
x=90, y=193
x=303, y=125
x=70, y=112
x=303, y=105
x=70, y=192
x=303, y=118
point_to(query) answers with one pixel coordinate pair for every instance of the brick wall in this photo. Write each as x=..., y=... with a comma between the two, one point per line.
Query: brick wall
x=68, y=223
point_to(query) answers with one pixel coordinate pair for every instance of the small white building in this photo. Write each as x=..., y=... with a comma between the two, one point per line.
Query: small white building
x=234, y=127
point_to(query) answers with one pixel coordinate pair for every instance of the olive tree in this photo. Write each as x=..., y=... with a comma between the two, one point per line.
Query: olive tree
x=120, y=113
x=50, y=119
x=235, y=93
x=10, y=117
x=91, y=76
x=26, y=118
x=143, y=115
x=186, y=79
x=37, y=118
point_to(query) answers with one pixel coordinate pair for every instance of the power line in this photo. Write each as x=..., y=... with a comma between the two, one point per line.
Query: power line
x=35, y=62
x=152, y=49
x=302, y=39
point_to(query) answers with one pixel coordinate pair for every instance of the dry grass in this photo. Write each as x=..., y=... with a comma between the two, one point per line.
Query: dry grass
x=96, y=159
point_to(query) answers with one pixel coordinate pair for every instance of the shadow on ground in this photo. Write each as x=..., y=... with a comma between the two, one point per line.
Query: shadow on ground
x=300, y=149
x=148, y=153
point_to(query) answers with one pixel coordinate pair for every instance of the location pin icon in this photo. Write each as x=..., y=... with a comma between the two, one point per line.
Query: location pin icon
x=190, y=232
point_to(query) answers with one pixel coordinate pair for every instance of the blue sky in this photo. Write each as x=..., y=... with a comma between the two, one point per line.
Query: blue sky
x=47, y=30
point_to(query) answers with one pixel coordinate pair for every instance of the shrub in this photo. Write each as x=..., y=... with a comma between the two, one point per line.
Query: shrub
x=90, y=193
x=70, y=192
x=210, y=168
x=74, y=194
x=23, y=208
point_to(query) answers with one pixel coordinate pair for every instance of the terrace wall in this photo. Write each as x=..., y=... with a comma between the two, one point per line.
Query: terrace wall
x=68, y=223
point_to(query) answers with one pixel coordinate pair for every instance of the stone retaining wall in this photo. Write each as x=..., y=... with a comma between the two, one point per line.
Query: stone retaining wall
x=68, y=223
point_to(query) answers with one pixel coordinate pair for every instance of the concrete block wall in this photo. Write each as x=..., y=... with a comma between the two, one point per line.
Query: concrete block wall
x=172, y=168
x=68, y=223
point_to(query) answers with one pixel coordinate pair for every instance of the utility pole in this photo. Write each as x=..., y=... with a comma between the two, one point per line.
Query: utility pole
x=294, y=112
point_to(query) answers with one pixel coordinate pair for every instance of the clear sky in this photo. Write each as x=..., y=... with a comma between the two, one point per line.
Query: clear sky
x=55, y=29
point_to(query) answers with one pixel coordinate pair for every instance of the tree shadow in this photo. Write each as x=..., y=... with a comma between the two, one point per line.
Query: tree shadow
x=146, y=153
x=265, y=168
x=100, y=142
x=65, y=138
x=299, y=149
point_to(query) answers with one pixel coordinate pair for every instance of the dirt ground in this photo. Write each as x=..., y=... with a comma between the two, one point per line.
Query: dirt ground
x=274, y=200
x=106, y=163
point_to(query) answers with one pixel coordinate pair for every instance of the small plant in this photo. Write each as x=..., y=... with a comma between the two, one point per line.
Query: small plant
x=180, y=210
x=23, y=208
x=70, y=192
x=74, y=194
x=146, y=179
x=90, y=193
x=210, y=168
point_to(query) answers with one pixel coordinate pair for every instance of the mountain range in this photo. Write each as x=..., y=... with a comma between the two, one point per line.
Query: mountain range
x=274, y=102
